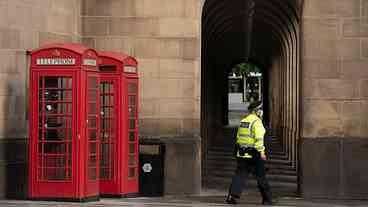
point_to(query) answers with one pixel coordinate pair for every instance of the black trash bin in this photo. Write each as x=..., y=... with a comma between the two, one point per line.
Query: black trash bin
x=151, y=176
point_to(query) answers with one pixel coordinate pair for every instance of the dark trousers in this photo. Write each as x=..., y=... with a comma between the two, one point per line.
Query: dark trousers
x=256, y=167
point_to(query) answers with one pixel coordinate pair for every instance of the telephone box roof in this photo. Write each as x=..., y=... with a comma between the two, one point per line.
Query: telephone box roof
x=121, y=57
x=75, y=47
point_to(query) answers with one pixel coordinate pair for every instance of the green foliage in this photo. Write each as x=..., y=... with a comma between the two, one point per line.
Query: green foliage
x=243, y=69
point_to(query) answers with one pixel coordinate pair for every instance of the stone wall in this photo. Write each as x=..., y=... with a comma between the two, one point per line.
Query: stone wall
x=334, y=168
x=334, y=99
x=25, y=25
x=164, y=36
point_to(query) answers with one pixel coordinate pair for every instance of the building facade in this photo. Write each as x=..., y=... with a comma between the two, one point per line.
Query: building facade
x=317, y=80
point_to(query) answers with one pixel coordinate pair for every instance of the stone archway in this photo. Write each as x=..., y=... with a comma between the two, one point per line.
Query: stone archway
x=266, y=32
x=316, y=54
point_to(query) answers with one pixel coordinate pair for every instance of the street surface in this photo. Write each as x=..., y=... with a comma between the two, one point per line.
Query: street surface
x=208, y=198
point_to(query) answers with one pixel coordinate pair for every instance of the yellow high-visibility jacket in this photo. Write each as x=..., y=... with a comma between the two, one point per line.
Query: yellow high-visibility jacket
x=251, y=133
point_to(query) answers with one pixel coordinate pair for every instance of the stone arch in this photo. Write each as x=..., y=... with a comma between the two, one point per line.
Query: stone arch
x=268, y=33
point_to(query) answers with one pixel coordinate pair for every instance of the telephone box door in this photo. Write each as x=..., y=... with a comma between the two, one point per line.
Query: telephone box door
x=109, y=91
x=132, y=108
x=53, y=154
x=93, y=133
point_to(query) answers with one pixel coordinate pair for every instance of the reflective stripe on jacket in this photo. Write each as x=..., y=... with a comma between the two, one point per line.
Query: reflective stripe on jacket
x=251, y=134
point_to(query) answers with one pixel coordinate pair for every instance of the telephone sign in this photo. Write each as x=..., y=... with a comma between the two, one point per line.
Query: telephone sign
x=55, y=61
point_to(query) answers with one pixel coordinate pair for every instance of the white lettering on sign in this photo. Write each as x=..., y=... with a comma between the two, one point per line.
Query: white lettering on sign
x=91, y=62
x=130, y=69
x=147, y=167
x=255, y=74
x=55, y=61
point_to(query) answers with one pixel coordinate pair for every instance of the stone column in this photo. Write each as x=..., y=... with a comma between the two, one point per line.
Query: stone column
x=334, y=104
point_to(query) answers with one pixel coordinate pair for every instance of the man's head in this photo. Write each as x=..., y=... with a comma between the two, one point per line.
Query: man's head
x=253, y=106
x=256, y=107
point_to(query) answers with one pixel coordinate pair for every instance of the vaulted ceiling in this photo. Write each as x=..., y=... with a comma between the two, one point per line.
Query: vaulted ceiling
x=236, y=30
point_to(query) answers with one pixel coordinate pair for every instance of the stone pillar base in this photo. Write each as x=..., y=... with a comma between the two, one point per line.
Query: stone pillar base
x=335, y=168
x=13, y=168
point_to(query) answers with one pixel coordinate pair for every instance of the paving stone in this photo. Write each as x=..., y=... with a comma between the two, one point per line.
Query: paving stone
x=207, y=199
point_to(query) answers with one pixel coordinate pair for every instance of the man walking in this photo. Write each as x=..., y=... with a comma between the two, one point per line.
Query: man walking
x=250, y=155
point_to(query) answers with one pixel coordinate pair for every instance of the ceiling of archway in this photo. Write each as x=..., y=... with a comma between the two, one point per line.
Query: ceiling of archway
x=248, y=29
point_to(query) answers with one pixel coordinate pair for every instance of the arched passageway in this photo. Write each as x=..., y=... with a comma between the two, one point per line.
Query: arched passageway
x=266, y=33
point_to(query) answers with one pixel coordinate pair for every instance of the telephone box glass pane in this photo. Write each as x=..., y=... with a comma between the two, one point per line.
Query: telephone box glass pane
x=106, y=135
x=92, y=172
x=92, y=96
x=131, y=100
x=132, y=88
x=92, y=148
x=57, y=82
x=93, y=161
x=107, y=93
x=132, y=160
x=132, y=136
x=55, y=132
x=105, y=149
x=52, y=94
x=40, y=134
x=107, y=111
x=92, y=82
x=92, y=135
x=92, y=108
x=132, y=148
x=111, y=99
x=107, y=123
x=56, y=108
x=92, y=122
x=131, y=173
x=131, y=112
x=106, y=161
x=131, y=123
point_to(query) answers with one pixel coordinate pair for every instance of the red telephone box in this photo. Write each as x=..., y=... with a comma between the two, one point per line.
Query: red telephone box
x=119, y=124
x=64, y=123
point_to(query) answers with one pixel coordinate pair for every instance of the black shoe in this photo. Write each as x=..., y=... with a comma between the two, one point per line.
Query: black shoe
x=267, y=203
x=231, y=200
x=235, y=196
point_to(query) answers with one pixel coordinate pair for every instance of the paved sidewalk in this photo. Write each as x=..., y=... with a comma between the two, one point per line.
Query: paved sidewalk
x=207, y=199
